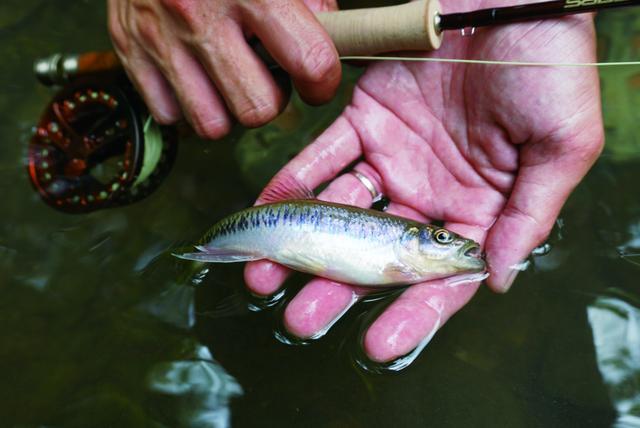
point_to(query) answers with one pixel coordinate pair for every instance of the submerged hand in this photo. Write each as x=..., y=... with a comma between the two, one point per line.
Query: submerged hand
x=494, y=151
x=192, y=55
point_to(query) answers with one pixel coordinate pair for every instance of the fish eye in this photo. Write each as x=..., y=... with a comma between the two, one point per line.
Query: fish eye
x=443, y=236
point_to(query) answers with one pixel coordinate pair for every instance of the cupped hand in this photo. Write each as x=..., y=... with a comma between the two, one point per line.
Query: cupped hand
x=494, y=151
x=192, y=57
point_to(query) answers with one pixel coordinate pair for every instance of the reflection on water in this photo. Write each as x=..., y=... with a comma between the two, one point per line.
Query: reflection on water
x=201, y=386
x=174, y=305
x=100, y=326
x=616, y=336
x=630, y=250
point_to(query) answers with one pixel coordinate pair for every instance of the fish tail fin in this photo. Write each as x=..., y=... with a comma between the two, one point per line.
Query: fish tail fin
x=217, y=255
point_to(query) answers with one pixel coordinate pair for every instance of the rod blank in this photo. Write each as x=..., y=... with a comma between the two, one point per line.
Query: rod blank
x=527, y=12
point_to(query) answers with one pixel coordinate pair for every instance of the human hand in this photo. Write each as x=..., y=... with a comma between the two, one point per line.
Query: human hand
x=192, y=56
x=494, y=151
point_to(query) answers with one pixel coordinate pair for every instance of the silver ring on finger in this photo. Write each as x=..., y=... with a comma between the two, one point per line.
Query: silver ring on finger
x=368, y=184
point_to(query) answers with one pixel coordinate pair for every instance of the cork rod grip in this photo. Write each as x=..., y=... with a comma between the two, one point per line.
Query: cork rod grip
x=405, y=27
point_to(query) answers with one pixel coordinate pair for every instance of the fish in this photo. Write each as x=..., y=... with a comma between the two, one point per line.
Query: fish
x=343, y=243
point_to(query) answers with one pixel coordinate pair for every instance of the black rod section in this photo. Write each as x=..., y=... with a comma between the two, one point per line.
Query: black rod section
x=526, y=12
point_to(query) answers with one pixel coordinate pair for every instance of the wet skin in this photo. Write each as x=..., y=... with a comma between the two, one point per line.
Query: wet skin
x=339, y=242
x=494, y=151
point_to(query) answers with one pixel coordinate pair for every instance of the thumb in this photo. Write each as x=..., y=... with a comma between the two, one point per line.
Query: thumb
x=549, y=171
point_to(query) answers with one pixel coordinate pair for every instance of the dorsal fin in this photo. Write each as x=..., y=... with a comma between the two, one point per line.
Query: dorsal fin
x=285, y=187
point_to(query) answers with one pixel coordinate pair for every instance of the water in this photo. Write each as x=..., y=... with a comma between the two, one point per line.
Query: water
x=100, y=327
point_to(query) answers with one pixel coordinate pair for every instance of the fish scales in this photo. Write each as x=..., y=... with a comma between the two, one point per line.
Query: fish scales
x=311, y=216
x=338, y=242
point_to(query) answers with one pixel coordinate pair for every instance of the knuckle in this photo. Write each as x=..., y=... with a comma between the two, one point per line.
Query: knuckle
x=144, y=26
x=587, y=149
x=120, y=41
x=538, y=229
x=258, y=5
x=181, y=7
x=525, y=218
x=184, y=11
x=117, y=34
x=149, y=35
x=595, y=146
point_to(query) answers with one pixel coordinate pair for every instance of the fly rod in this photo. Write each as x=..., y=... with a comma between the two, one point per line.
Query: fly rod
x=525, y=12
x=419, y=25
x=413, y=26
x=96, y=146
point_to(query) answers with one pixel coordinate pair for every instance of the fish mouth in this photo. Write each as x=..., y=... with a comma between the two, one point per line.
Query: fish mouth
x=473, y=257
x=472, y=251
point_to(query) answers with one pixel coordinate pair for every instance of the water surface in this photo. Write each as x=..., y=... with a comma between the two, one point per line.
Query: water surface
x=100, y=327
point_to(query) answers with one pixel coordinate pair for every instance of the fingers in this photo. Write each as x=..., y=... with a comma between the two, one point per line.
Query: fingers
x=142, y=71
x=154, y=88
x=447, y=186
x=198, y=97
x=321, y=303
x=409, y=323
x=407, y=212
x=337, y=147
x=165, y=72
x=244, y=81
x=264, y=277
x=194, y=56
x=297, y=41
x=550, y=172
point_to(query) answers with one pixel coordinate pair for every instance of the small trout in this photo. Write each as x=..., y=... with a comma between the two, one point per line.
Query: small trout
x=340, y=242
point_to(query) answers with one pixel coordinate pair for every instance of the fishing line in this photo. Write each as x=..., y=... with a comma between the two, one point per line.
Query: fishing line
x=490, y=62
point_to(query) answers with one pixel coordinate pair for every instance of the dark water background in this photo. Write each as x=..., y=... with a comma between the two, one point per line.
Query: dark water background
x=100, y=327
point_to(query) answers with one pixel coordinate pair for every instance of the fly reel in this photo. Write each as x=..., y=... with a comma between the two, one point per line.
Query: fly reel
x=96, y=146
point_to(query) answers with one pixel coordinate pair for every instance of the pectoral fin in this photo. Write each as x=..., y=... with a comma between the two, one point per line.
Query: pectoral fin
x=399, y=273
x=214, y=255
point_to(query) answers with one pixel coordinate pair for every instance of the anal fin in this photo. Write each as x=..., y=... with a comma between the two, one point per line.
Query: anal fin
x=214, y=255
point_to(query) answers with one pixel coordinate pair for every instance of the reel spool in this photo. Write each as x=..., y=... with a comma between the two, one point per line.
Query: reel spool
x=96, y=146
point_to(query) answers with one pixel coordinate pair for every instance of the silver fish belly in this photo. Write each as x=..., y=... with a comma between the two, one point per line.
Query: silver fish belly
x=338, y=242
